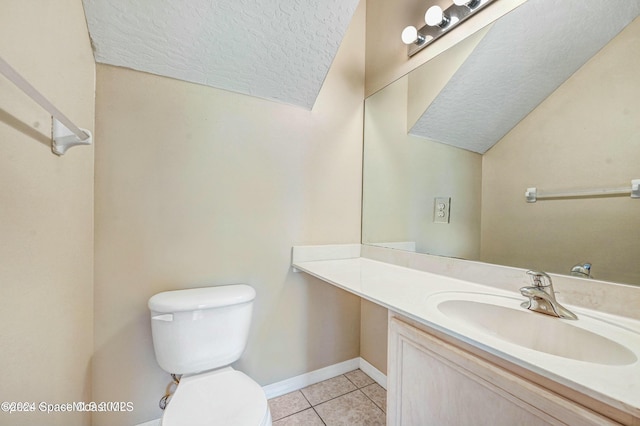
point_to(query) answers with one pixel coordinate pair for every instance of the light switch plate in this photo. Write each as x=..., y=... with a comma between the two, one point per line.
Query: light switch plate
x=441, y=209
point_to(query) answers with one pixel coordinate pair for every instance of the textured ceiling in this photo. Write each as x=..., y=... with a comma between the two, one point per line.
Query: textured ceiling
x=525, y=56
x=274, y=49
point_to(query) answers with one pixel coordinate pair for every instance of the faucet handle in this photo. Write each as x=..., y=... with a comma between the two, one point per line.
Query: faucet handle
x=539, y=278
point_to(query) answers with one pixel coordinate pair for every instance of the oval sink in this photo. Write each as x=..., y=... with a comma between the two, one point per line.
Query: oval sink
x=503, y=318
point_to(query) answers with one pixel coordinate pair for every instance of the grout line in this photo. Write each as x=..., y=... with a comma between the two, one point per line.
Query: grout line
x=351, y=381
x=292, y=414
x=363, y=386
x=384, y=413
x=313, y=407
x=374, y=403
x=305, y=398
x=336, y=397
x=354, y=383
x=319, y=416
x=342, y=394
x=298, y=412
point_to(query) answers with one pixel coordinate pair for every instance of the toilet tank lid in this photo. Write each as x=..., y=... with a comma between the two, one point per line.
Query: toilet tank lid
x=201, y=298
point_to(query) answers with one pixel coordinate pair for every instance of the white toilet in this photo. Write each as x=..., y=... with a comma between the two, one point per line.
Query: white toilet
x=198, y=333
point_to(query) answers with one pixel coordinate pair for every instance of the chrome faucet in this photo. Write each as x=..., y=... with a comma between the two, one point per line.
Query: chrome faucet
x=581, y=270
x=542, y=297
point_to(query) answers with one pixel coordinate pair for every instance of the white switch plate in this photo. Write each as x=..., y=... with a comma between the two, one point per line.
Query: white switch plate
x=441, y=209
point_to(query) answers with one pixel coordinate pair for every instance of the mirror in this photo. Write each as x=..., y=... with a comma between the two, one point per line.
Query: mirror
x=428, y=194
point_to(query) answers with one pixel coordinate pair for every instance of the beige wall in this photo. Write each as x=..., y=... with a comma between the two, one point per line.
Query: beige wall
x=404, y=173
x=586, y=134
x=197, y=186
x=373, y=334
x=46, y=212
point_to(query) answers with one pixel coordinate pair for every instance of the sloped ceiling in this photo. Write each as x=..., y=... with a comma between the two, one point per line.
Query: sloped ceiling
x=274, y=49
x=524, y=57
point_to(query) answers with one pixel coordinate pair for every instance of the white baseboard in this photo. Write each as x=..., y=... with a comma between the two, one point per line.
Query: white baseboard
x=307, y=379
x=302, y=381
x=373, y=372
x=298, y=382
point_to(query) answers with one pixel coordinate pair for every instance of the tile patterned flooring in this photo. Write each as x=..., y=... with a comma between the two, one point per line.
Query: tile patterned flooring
x=351, y=399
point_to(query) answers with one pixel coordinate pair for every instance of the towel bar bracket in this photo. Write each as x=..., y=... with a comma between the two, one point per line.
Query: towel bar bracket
x=63, y=138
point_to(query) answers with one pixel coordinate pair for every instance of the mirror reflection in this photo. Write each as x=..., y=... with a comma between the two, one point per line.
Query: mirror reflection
x=432, y=195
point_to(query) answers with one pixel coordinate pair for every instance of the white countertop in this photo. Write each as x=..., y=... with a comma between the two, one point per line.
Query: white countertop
x=406, y=291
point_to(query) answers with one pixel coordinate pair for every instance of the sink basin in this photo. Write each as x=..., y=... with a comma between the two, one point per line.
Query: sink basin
x=503, y=318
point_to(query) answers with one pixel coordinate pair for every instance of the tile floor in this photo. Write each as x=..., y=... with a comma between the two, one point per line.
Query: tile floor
x=350, y=399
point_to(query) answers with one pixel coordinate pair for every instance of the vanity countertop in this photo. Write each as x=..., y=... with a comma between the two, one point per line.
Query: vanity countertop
x=405, y=291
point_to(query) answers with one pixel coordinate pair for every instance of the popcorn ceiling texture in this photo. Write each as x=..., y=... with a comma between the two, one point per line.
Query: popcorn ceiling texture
x=274, y=49
x=539, y=45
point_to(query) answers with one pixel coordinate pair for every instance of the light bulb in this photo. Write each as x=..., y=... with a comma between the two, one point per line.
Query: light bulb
x=410, y=35
x=435, y=17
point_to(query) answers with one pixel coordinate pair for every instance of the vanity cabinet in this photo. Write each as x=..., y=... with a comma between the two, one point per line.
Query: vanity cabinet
x=433, y=382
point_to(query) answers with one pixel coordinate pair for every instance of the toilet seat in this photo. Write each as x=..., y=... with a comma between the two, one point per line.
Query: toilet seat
x=218, y=398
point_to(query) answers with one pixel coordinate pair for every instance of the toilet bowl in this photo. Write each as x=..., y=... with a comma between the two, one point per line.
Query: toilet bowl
x=219, y=397
x=198, y=333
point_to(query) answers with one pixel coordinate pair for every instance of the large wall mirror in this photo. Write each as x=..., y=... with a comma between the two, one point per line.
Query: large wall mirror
x=548, y=96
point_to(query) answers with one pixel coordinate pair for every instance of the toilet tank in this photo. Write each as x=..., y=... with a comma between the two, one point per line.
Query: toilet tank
x=200, y=329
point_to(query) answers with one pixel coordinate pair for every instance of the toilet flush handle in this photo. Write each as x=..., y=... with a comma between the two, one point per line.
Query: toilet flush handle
x=163, y=317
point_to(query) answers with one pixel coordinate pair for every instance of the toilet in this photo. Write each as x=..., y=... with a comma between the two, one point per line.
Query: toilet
x=198, y=333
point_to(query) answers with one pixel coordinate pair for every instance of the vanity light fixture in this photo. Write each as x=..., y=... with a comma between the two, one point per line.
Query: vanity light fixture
x=440, y=22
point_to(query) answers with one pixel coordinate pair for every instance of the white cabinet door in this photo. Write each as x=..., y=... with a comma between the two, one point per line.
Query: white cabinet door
x=431, y=382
